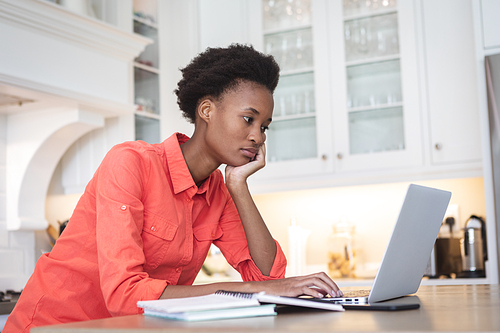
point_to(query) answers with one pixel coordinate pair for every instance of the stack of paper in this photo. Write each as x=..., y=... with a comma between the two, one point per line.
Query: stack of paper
x=207, y=307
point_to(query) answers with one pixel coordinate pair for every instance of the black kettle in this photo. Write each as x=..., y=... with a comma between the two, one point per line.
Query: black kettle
x=473, y=248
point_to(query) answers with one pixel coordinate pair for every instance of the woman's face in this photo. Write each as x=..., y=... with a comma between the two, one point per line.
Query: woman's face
x=238, y=121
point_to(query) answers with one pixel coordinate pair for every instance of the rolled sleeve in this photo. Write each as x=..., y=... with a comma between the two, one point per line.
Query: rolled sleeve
x=233, y=245
x=250, y=272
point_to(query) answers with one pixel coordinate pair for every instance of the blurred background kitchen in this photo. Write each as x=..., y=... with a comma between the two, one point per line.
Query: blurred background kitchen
x=374, y=95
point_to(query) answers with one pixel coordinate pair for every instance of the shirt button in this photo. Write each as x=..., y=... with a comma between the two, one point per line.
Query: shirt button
x=188, y=200
x=153, y=228
x=213, y=234
x=178, y=269
x=123, y=207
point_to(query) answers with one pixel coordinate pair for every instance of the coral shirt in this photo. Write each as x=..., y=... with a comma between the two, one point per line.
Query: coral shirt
x=141, y=225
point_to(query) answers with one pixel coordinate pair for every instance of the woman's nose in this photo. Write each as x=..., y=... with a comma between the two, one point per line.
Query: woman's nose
x=257, y=136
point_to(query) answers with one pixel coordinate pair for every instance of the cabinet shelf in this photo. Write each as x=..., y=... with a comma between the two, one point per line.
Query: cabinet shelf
x=370, y=15
x=375, y=107
x=146, y=22
x=146, y=114
x=304, y=70
x=286, y=29
x=147, y=68
x=295, y=116
x=372, y=60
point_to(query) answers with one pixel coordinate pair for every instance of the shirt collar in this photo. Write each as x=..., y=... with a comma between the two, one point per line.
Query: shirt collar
x=179, y=171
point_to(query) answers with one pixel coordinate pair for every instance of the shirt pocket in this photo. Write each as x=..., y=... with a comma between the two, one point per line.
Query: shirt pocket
x=205, y=236
x=157, y=235
x=206, y=233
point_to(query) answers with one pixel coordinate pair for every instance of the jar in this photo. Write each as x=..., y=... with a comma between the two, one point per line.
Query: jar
x=341, y=253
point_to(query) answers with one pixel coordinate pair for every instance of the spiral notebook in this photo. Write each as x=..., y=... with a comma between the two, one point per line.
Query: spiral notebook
x=226, y=304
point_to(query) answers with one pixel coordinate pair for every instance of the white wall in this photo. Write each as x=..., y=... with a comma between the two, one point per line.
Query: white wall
x=15, y=248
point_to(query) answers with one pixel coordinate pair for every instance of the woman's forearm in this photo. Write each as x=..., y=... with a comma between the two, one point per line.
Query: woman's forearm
x=176, y=291
x=315, y=285
x=260, y=242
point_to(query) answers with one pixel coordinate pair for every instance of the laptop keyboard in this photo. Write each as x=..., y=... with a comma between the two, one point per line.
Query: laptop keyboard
x=357, y=293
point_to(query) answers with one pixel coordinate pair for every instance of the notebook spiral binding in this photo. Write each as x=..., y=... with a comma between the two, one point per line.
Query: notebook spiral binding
x=235, y=294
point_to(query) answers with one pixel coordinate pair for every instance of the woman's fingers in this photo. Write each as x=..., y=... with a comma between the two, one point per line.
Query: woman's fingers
x=260, y=158
x=263, y=153
x=323, y=282
x=242, y=172
x=316, y=285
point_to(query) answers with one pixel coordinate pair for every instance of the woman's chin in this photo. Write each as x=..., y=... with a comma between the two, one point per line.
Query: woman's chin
x=239, y=162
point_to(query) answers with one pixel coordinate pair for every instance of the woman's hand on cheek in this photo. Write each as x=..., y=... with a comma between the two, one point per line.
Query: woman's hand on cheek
x=241, y=173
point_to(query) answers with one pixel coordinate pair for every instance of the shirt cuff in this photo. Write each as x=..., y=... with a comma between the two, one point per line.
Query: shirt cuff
x=153, y=291
x=250, y=272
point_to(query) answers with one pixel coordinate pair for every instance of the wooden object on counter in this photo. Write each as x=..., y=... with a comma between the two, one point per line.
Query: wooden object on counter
x=443, y=309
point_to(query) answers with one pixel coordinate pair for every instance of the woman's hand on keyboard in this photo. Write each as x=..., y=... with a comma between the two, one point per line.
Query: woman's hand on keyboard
x=316, y=285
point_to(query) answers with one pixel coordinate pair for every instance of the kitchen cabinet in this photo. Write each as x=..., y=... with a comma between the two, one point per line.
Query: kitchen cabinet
x=346, y=101
x=451, y=82
x=375, y=107
x=490, y=11
x=394, y=93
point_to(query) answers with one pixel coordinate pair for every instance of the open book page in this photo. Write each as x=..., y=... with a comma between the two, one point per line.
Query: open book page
x=301, y=302
x=282, y=300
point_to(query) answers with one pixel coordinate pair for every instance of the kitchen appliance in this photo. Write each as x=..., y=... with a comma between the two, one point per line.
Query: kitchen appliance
x=8, y=300
x=446, y=257
x=473, y=248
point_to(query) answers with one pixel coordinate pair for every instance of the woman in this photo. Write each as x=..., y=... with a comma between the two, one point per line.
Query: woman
x=145, y=223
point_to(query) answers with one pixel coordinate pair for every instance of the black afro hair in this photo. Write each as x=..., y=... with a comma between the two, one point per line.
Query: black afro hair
x=218, y=70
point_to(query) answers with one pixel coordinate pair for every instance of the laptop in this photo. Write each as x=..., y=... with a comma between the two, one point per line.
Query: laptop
x=409, y=248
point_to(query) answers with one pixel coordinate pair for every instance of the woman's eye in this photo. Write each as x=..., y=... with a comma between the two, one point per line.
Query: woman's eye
x=264, y=128
x=248, y=119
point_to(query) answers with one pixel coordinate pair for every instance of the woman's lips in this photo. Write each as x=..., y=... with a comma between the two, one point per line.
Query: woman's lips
x=249, y=152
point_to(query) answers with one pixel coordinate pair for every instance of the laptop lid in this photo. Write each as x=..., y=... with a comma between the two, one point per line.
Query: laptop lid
x=410, y=245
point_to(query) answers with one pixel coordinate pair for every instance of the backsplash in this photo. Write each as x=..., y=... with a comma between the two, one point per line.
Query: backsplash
x=373, y=210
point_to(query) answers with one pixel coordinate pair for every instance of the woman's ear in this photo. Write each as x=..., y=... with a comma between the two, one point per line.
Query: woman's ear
x=205, y=109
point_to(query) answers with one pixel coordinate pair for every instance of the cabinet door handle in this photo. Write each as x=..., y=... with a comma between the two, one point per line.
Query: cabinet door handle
x=324, y=157
x=438, y=146
x=340, y=156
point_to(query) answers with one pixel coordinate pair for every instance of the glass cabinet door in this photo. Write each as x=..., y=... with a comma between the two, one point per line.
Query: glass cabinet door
x=373, y=77
x=293, y=132
x=291, y=33
x=348, y=97
x=379, y=119
x=288, y=37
